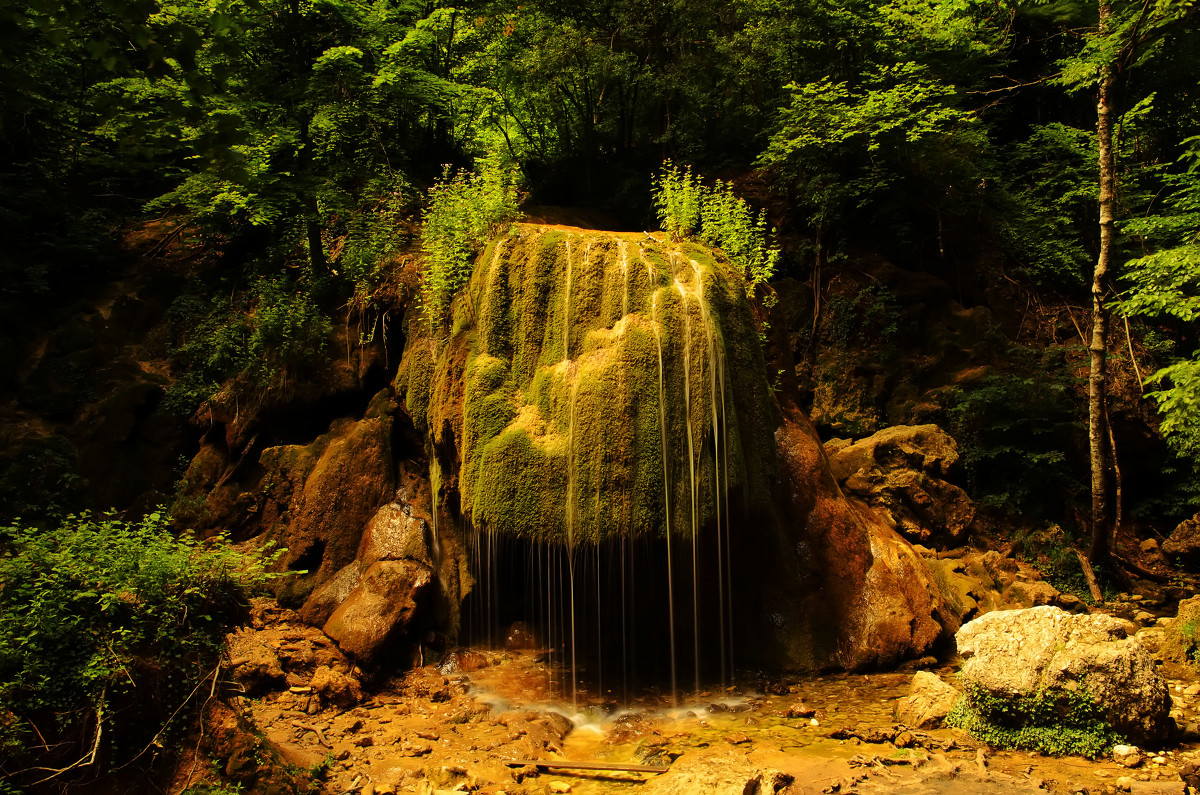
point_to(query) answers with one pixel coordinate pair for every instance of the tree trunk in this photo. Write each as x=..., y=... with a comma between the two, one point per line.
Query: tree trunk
x=1098, y=376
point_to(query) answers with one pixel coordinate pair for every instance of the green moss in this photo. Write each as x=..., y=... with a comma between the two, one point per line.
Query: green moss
x=553, y=389
x=414, y=380
x=1056, y=722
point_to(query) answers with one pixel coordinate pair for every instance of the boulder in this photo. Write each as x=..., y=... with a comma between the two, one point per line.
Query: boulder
x=1179, y=642
x=351, y=475
x=1183, y=545
x=394, y=533
x=1011, y=653
x=335, y=687
x=928, y=702
x=900, y=471
x=834, y=584
x=380, y=609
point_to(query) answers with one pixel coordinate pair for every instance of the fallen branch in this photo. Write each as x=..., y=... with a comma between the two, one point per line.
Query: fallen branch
x=566, y=765
x=1146, y=574
x=1090, y=576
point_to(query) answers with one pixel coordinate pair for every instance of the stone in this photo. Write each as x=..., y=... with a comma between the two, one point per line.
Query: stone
x=380, y=609
x=559, y=724
x=256, y=666
x=1152, y=638
x=415, y=748
x=336, y=484
x=1183, y=545
x=1025, y=593
x=1127, y=755
x=337, y=688
x=1180, y=634
x=395, y=533
x=1149, y=546
x=1019, y=652
x=520, y=637
x=928, y=702
x=901, y=472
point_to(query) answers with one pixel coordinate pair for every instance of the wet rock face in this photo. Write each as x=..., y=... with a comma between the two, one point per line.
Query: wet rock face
x=395, y=533
x=900, y=471
x=313, y=500
x=1019, y=652
x=836, y=585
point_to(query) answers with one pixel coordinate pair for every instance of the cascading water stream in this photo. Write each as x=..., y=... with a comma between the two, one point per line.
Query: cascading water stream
x=662, y=414
x=716, y=374
x=687, y=414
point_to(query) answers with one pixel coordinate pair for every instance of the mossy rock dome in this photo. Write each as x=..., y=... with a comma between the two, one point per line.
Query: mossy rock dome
x=595, y=385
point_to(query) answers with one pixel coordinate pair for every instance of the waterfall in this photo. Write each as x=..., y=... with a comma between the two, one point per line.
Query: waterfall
x=662, y=413
x=541, y=425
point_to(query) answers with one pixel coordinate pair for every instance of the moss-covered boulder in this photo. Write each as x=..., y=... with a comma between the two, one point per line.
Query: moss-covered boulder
x=596, y=385
x=1041, y=661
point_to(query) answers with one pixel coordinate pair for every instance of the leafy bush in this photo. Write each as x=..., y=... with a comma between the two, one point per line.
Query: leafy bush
x=1014, y=430
x=108, y=629
x=464, y=210
x=869, y=315
x=719, y=218
x=1059, y=722
x=1051, y=551
x=266, y=336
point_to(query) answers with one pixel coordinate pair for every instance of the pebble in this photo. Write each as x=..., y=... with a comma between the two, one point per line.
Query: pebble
x=560, y=786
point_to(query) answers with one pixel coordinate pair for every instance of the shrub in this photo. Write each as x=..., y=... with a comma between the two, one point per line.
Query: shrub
x=464, y=210
x=108, y=629
x=719, y=218
x=1014, y=431
x=1060, y=722
x=267, y=337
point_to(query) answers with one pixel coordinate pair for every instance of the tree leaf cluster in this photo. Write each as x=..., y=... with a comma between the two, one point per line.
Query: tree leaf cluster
x=110, y=624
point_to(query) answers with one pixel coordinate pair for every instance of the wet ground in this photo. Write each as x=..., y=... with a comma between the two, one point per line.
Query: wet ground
x=483, y=720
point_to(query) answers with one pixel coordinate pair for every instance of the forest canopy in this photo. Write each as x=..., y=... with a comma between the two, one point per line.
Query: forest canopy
x=299, y=138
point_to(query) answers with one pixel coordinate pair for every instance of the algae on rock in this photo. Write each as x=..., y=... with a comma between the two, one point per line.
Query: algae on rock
x=596, y=385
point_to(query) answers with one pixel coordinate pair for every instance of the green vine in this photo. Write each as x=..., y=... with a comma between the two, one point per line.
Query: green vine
x=1054, y=722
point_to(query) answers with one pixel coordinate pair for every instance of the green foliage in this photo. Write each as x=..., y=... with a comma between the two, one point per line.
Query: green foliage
x=1051, y=551
x=1058, y=722
x=265, y=337
x=103, y=617
x=1014, y=431
x=1190, y=642
x=678, y=197
x=869, y=316
x=464, y=210
x=841, y=144
x=1165, y=283
x=1051, y=214
x=717, y=217
x=221, y=788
